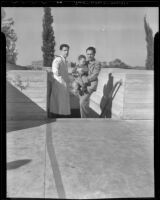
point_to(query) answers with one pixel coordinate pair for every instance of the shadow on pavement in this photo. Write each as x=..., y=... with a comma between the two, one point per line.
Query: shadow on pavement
x=54, y=162
x=16, y=112
x=20, y=125
x=17, y=163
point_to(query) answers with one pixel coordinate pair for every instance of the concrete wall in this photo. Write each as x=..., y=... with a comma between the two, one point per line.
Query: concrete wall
x=134, y=99
x=26, y=95
x=138, y=97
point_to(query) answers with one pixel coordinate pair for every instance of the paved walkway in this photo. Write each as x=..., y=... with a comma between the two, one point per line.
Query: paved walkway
x=76, y=158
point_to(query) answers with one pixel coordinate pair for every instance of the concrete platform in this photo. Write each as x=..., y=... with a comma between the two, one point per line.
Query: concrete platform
x=76, y=158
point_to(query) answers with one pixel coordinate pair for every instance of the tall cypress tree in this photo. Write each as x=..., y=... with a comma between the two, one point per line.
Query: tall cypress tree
x=48, y=38
x=150, y=46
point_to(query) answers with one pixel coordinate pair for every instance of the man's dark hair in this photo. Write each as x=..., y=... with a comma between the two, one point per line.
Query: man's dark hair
x=81, y=56
x=92, y=49
x=63, y=45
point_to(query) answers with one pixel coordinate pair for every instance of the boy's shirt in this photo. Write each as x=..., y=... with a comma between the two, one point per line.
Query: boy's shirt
x=83, y=70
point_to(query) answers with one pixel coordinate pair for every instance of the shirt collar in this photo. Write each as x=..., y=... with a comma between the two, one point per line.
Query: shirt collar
x=64, y=59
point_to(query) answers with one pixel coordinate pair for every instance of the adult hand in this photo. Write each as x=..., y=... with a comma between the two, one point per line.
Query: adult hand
x=85, y=81
x=79, y=70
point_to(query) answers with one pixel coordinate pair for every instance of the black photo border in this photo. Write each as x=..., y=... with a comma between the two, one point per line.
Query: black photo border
x=61, y=3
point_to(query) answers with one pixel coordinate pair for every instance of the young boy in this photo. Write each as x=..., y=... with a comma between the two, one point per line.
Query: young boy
x=80, y=73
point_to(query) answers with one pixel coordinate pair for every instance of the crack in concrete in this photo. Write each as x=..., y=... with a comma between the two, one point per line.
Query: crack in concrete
x=54, y=162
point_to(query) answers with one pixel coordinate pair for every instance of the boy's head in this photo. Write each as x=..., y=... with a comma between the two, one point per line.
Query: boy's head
x=82, y=59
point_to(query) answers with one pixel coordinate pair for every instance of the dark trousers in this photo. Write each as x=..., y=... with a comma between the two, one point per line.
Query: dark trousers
x=54, y=115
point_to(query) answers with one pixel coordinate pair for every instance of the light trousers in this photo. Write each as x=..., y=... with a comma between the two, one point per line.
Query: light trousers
x=84, y=105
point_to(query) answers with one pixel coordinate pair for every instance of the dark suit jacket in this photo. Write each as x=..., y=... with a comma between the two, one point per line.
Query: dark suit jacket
x=93, y=72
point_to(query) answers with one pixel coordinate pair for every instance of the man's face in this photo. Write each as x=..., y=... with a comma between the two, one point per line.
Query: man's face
x=90, y=55
x=65, y=52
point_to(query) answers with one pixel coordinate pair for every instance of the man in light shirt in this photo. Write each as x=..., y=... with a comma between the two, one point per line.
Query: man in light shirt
x=60, y=97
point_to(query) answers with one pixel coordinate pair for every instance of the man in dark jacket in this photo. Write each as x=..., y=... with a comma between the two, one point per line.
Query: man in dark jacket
x=91, y=81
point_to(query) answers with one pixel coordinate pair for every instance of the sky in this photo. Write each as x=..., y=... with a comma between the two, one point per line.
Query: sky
x=115, y=32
